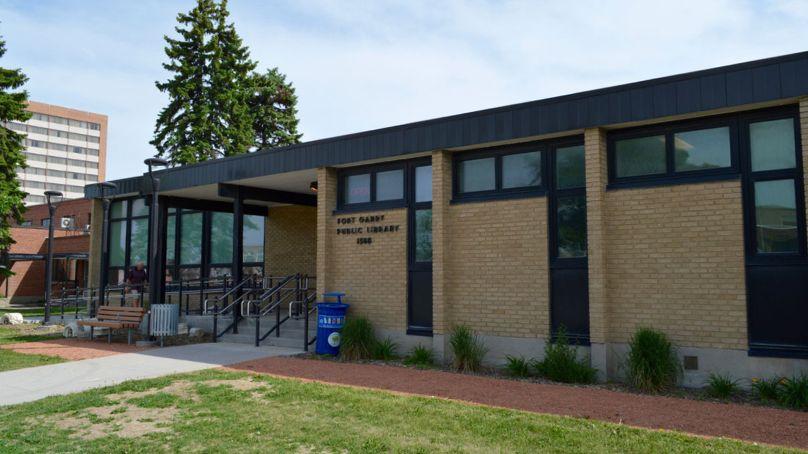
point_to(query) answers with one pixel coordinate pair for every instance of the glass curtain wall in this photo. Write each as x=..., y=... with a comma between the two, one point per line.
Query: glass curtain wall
x=199, y=244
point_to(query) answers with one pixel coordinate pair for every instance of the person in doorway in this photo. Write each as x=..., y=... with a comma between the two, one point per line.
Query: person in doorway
x=137, y=277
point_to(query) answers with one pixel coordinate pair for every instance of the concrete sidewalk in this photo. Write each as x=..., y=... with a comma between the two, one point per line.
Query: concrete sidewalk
x=26, y=385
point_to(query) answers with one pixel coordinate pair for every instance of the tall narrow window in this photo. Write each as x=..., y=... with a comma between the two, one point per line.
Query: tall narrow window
x=776, y=216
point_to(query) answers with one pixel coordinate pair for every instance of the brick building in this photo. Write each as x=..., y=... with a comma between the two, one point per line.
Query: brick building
x=71, y=250
x=676, y=203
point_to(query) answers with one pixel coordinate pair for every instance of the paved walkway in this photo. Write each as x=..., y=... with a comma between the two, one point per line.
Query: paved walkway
x=25, y=385
x=745, y=422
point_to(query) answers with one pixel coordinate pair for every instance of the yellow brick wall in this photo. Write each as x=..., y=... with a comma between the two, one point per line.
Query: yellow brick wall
x=290, y=243
x=441, y=195
x=496, y=267
x=676, y=262
x=374, y=276
x=597, y=244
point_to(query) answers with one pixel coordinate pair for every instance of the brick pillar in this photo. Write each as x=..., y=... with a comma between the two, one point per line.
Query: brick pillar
x=804, y=138
x=596, y=179
x=441, y=194
x=94, y=262
x=326, y=204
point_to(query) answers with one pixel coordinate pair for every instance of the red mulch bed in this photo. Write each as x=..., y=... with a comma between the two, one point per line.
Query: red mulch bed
x=73, y=349
x=745, y=422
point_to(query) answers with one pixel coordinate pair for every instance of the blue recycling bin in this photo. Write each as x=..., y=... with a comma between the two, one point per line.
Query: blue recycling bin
x=330, y=319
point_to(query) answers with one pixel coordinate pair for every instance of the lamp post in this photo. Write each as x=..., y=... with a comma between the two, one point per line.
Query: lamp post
x=154, y=253
x=104, y=275
x=53, y=197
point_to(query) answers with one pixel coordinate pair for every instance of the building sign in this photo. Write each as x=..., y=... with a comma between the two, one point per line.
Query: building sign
x=364, y=225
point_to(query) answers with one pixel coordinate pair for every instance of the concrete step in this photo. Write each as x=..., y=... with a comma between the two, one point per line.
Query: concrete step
x=289, y=342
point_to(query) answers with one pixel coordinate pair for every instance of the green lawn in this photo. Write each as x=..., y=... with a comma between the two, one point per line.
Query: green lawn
x=24, y=333
x=40, y=311
x=10, y=360
x=222, y=411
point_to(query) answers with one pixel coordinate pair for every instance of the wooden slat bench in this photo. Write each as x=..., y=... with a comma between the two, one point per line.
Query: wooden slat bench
x=113, y=317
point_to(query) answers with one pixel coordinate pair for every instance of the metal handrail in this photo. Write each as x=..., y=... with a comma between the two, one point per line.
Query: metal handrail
x=239, y=300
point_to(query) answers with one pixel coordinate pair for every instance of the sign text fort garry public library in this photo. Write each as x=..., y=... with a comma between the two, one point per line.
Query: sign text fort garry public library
x=362, y=225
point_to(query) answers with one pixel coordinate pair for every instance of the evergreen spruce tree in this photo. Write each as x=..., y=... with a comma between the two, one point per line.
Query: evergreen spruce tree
x=12, y=107
x=273, y=105
x=208, y=115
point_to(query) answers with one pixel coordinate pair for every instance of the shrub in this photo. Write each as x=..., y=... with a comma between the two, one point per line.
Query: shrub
x=721, y=386
x=358, y=339
x=386, y=350
x=561, y=362
x=767, y=389
x=794, y=392
x=652, y=363
x=467, y=348
x=517, y=366
x=420, y=356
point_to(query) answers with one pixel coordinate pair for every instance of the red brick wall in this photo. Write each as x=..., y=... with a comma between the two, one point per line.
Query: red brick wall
x=78, y=208
x=29, y=279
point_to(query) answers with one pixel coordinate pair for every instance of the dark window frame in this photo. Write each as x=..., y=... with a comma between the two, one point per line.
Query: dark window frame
x=498, y=153
x=753, y=257
x=127, y=220
x=554, y=193
x=372, y=170
x=671, y=176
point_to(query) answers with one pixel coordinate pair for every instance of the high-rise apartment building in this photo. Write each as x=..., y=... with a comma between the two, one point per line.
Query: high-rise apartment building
x=65, y=150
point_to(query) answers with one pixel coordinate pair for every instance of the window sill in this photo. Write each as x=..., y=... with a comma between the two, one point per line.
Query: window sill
x=778, y=351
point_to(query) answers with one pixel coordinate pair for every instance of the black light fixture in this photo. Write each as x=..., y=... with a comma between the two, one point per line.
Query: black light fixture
x=313, y=186
x=154, y=253
x=53, y=198
x=105, y=202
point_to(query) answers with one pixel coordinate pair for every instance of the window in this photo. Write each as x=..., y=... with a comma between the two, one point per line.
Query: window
x=423, y=184
x=571, y=219
x=500, y=171
x=702, y=149
x=772, y=145
x=25, y=224
x=191, y=239
x=475, y=175
x=641, y=156
x=570, y=169
x=776, y=216
x=117, y=243
x=390, y=185
x=253, y=239
x=221, y=238
x=423, y=235
x=44, y=222
x=139, y=241
x=357, y=188
x=363, y=188
x=521, y=170
x=774, y=179
x=673, y=151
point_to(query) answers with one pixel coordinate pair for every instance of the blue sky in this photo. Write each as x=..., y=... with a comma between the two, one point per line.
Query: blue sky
x=364, y=65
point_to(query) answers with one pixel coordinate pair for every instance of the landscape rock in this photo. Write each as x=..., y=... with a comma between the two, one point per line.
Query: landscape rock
x=196, y=332
x=12, y=318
